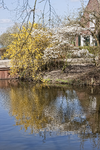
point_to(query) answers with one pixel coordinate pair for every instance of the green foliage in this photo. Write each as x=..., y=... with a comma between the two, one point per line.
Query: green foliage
x=6, y=38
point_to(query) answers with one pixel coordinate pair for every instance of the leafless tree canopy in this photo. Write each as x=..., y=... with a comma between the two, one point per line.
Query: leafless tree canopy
x=27, y=10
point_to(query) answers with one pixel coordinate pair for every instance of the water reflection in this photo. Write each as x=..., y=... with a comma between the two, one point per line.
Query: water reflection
x=55, y=111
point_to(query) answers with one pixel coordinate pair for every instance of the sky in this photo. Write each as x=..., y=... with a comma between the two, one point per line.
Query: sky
x=62, y=8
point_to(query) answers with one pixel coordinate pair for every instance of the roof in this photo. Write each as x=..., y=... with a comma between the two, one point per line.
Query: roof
x=92, y=2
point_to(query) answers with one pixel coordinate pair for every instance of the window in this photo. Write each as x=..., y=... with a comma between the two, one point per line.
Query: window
x=86, y=40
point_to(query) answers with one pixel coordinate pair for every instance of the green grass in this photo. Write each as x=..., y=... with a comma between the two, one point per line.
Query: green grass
x=60, y=80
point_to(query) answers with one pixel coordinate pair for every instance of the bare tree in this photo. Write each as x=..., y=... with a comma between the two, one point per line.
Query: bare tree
x=26, y=11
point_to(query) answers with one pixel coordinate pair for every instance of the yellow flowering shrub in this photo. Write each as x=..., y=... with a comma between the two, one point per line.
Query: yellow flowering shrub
x=27, y=55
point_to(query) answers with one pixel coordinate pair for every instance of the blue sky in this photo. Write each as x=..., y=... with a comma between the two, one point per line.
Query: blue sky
x=62, y=8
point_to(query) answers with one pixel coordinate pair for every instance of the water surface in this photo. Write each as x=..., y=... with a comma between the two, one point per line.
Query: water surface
x=36, y=117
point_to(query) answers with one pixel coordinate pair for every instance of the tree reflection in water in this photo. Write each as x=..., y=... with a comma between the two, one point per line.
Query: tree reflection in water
x=56, y=111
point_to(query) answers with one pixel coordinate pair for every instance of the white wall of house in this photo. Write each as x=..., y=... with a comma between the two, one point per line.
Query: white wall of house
x=82, y=41
x=91, y=40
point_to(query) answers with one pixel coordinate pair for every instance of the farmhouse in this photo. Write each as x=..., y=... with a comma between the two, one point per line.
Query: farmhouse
x=90, y=21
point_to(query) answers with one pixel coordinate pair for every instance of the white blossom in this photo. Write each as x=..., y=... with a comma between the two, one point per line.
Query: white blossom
x=60, y=37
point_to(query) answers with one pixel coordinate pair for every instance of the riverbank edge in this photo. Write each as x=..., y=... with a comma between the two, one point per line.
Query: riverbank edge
x=88, y=78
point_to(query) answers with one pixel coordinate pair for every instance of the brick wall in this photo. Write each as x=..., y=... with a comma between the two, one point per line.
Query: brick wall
x=4, y=74
x=92, y=6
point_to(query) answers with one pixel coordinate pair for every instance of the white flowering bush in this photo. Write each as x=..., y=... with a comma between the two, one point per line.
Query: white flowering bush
x=61, y=41
x=81, y=53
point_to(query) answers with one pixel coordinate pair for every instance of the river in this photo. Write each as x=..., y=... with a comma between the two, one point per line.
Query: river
x=34, y=117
